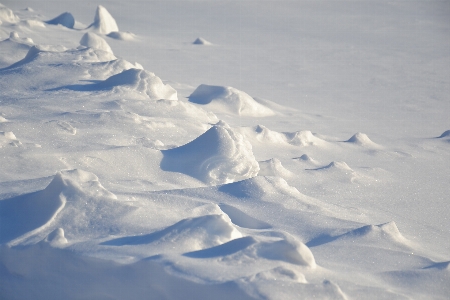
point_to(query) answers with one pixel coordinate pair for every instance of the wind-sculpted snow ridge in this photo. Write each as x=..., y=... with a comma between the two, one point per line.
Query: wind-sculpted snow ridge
x=24, y=214
x=387, y=231
x=190, y=234
x=264, y=135
x=72, y=65
x=65, y=19
x=103, y=23
x=218, y=156
x=7, y=15
x=13, y=49
x=74, y=201
x=140, y=81
x=181, y=199
x=201, y=41
x=230, y=100
x=445, y=134
x=123, y=36
x=288, y=250
x=336, y=165
x=92, y=40
x=53, y=56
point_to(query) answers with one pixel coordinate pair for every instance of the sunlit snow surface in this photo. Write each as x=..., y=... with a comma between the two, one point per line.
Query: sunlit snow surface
x=224, y=150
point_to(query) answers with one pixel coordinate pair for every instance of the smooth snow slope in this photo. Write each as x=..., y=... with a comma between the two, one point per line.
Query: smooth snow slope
x=135, y=164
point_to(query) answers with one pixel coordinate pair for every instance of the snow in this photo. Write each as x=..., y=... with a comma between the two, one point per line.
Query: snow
x=230, y=100
x=65, y=19
x=218, y=156
x=92, y=40
x=104, y=23
x=151, y=163
x=201, y=41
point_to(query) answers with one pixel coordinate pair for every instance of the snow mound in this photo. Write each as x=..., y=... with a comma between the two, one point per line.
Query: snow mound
x=230, y=100
x=445, y=134
x=259, y=187
x=201, y=41
x=104, y=23
x=303, y=138
x=13, y=49
x=289, y=250
x=103, y=70
x=336, y=165
x=306, y=158
x=65, y=19
x=123, y=36
x=264, y=134
x=140, y=81
x=218, y=156
x=7, y=15
x=56, y=238
x=387, y=231
x=363, y=140
x=92, y=40
x=191, y=234
x=3, y=119
x=273, y=167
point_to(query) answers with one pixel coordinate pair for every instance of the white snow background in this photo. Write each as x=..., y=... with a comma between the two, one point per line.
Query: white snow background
x=224, y=149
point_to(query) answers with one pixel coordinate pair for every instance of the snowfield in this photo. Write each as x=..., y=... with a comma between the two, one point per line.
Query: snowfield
x=224, y=150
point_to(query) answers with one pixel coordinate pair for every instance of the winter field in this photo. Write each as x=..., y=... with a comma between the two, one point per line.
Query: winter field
x=224, y=149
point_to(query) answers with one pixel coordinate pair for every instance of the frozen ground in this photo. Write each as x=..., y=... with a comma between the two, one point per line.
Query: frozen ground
x=224, y=150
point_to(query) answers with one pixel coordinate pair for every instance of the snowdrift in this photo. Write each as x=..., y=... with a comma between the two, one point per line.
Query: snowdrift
x=65, y=19
x=103, y=23
x=92, y=40
x=218, y=156
x=229, y=99
x=112, y=188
